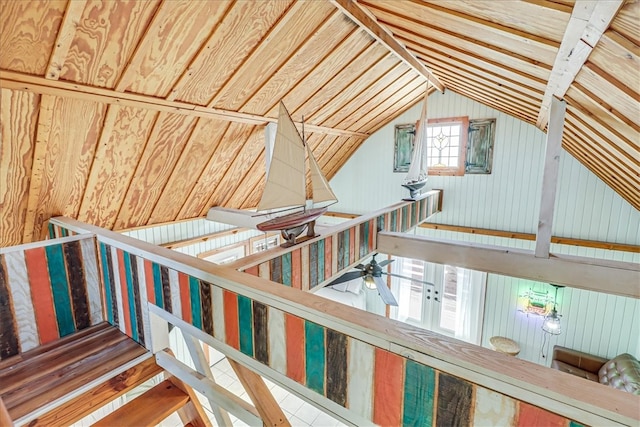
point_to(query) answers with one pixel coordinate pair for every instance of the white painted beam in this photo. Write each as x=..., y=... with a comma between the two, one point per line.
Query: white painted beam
x=613, y=277
x=550, y=178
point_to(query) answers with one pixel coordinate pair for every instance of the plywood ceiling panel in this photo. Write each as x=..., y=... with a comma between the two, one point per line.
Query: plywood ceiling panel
x=157, y=108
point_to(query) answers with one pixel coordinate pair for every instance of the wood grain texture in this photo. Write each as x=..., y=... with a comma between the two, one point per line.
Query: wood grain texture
x=454, y=401
x=529, y=415
x=174, y=290
x=28, y=34
x=90, y=266
x=15, y=276
x=260, y=332
x=237, y=36
x=119, y=149
x=145, y=326
x=295, y=337
x=18, y=113
x=77, y=284
x=206, y=301
x=245, y=325
x=99, y=53
x=217, y=298
x=388, y=383
x=231, y=327
x=277, y=340
x=492, y=408
x=419, y=395
x=9, y=343
x=170, y=41
x=170, y=134
x=315, y=356
x=360, y=378
x=336, y=360
x=194, y=158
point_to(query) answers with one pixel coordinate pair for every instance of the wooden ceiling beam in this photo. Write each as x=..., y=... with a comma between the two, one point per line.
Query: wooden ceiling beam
x=589, y=20
x=40, y=85
x=370, y=24
x=67, y=31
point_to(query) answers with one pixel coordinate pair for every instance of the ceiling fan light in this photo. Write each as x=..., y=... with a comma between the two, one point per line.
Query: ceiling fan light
x=369, y=282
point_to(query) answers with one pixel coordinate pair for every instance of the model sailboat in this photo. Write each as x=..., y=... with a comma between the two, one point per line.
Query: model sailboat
x=417, y=175
x=285, y=187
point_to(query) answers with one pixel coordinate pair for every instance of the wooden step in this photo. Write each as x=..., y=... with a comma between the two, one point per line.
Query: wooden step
x=149, y=408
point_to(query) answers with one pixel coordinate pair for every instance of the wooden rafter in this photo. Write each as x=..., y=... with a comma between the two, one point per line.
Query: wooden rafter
x=357, y=14
x=17, y=81
x=589, y=20
x=65, y=37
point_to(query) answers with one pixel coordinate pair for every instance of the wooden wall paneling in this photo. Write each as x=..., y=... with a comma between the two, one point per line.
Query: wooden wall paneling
x=549, y=22
x=241, y=30
x=531, y=45
x=167, y=141
x=230, y=145
x=346, y=80
x=410, y=28
x=383, y=72
x=623, y=100
x=407, y=102
x=174, y=36
x=331, y=65
x=64, y=38
x=251, y=186
x=626, y=22
x=326, y=37
x=288, y=34
x=198, y=151
x=237, y=169
x=18, y=115
x=493, y=408
x=618, y=57
x=327, y=149
x=349, y=147
x=98, y=53
x=454, y=401
x=28, y=34
x=62, y=159
x=125, y=134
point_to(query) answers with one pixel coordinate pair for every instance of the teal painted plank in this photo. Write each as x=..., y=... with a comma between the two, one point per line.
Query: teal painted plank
x=419, y=390
x=157, y=285
x=286, y=269
x=245, y=325
x=575, y=424
x=320, y=274
x=52, y=231
x=196, y=309
x=132, y=299
x=314, y=356
x=105, y=276
x=394, y=216
x=60, y=288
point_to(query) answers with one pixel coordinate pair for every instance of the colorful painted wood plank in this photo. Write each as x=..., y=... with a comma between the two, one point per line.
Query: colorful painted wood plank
x=60, y=288
x=107, y=274
x=360, y=376
x=493, y=409
x=296, y=269
x=9, y=344
x=165, y=280
x=352, y=245
x=122, y=293
x=286, y=269
x=135, y=299
x=77, y=284
x=252, y=270
x=419, y=390
x=388, y=383
x=41, y=294
x=90, y=263
x=454, y=401
x=23, y=309
x=217, y=298
x=277, y=340
x=260, y=333
x=336, y=359
x=206, y=302
x=264, y=270
x=143, y=267
x=328, y=258
x=313, y=265
x=230, y=319
x=530, y=416
x=174, y=289
x=131, y=299
x=341, y=251
x=320, y=263
x=245, y=325
x=185, y=297
x=194, y=302
x=275, y=267
x=314, y=352
x=158, y=285
x=294, y=327
x=304, y=267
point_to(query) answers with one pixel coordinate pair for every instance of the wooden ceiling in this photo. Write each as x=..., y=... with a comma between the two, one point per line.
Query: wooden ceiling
x=131, y=113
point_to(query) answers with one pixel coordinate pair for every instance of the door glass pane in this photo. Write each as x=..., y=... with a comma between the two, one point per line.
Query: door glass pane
x=449, y=296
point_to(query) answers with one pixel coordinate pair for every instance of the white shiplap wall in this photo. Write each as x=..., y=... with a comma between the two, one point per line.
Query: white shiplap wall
x=508, y=198
x=184, y=230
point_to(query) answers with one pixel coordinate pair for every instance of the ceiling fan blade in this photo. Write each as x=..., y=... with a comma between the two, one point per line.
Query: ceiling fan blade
x=346, y=277
x=360, y=267
x=385, y=262
x=409, y=278
x=385, y=292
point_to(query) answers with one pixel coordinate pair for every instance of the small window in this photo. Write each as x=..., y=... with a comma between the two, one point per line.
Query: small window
x=447, y=145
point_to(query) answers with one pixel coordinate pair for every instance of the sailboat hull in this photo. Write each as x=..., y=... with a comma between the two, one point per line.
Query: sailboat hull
x=292, y=220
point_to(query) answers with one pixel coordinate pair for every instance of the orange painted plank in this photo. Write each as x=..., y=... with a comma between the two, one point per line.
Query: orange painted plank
x=296, y=267
x=148, y=278
x=252, y=270
x=230, y=301
x=532, y=416
x=185, y=297
x=294, y=328
x=328, y=241
x=41, y=295
x=352, y=244
x=388, y=388
x=125, y=293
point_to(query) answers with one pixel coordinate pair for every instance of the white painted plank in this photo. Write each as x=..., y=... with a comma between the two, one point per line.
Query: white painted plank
x=217, y=301
x=493, y=409
x=360, y=378
x=277, y=340
x=92, y=278
x=174, y=285
x=18, y=282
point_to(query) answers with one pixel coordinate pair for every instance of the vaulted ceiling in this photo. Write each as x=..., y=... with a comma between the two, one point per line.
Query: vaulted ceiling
x=131, y=113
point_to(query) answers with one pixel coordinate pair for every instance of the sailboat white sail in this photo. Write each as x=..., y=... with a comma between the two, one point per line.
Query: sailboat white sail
x=285, y=185
x=417, y=175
